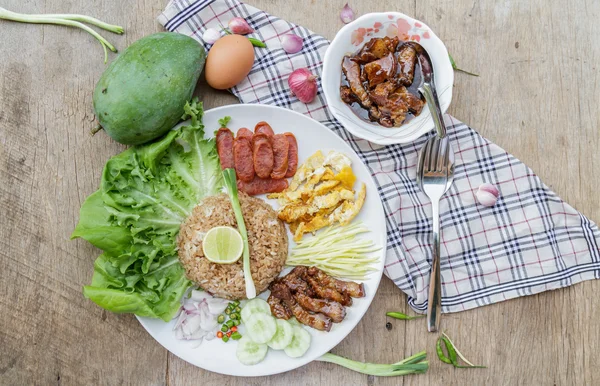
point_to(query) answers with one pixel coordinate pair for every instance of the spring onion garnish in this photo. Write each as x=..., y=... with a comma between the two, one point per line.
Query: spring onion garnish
x=401, y=316
x=231, y=185
x=415, y=364
x=453, y=353
x=71, y=20
x=337, y=251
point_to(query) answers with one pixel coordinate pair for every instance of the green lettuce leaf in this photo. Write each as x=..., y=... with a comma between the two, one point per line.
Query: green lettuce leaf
x=145, y=194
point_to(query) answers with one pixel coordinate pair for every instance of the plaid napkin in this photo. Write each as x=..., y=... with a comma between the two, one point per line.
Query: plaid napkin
x=530, y=241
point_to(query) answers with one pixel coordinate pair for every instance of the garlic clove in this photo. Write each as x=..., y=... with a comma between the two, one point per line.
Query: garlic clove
x=291, y=43
x=487, y=194
x=211, y=35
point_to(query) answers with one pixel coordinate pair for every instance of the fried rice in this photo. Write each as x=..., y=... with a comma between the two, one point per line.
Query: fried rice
x=267, y=239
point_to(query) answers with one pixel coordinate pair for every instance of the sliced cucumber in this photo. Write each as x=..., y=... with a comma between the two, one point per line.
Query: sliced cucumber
x=283, y=336
x=255, y=306
x=261, y=327
x=250, y=353
x=299, y=344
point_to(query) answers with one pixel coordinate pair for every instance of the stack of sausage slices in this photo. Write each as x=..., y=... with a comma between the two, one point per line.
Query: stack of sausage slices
x=262, y=160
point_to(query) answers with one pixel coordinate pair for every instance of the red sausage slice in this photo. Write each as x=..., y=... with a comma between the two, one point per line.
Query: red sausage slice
x=262, y=186
x=225, y=148
x=242, y=155
x=263, y=128
x=280, y=156
x=263, y=155
x=292, y=155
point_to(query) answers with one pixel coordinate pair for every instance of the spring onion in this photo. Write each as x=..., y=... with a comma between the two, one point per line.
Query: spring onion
x=415, y=364
x=231, y=185
x=453, y=353
x=337, y=251
x=70, y=20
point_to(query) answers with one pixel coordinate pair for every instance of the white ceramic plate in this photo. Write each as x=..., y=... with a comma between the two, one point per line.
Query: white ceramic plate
x=350, y=39
x=220, y=357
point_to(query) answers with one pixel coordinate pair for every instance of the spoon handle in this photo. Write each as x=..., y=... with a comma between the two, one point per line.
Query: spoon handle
x=434, y=303
x=428, y=90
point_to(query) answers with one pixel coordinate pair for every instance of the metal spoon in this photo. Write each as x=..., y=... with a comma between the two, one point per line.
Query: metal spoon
x=427, y=88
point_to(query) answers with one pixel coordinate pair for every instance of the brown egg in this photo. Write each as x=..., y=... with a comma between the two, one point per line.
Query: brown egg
x=229, y=61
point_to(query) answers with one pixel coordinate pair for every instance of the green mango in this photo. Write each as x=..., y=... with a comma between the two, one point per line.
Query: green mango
x=141, y=94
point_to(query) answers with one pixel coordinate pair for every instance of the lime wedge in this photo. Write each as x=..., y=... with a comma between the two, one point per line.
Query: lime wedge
x=223, y=245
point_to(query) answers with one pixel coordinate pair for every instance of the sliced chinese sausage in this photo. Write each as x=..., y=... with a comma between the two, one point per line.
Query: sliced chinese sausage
x=242, y=155
x=263, y=128
x=262, y=151
x=280, y=156
x=225, y=148
x=292, y=155
x=262, y=186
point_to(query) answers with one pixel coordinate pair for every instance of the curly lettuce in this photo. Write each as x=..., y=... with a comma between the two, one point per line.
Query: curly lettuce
x=145, y=194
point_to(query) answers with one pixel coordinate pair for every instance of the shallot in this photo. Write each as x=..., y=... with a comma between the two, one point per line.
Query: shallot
x=487, y=194
x=239, y=26
x=347, y=14
x=303, y=84
x=197, y=317
x=291, y=43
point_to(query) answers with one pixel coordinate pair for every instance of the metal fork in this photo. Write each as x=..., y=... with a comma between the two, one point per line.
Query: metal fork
x=435, y=174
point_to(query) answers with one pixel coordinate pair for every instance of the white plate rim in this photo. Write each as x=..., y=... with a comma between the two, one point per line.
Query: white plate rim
x=298, y=362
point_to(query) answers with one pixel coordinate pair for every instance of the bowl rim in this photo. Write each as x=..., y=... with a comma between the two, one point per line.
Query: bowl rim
x=364, y=129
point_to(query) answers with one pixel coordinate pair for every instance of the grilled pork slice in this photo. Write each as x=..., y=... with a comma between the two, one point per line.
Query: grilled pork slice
x=350, y=288
x=334, y=310
x=278, y=309
x=351, y=70
x=329, y=293
x=317, y=321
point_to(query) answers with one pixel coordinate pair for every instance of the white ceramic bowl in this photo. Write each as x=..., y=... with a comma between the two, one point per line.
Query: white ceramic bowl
x=350, y=39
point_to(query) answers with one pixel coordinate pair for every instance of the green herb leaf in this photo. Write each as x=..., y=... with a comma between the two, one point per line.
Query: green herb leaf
x=257, y=43
x=453, y=353
x=455, y=67
x=401, y=316
x=145, y=194
x=224, y=121
x=440, y=352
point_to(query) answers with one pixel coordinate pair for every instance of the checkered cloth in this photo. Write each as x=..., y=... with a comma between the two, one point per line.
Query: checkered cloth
x=530, y=241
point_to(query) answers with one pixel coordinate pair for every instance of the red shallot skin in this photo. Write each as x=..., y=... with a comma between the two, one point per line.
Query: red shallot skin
x=303, y=85
x=487, y=194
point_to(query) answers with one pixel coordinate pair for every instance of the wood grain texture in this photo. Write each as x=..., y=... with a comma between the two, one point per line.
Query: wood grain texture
x=537, y=97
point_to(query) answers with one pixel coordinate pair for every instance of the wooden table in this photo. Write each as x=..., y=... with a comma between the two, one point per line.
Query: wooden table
x=537, y=96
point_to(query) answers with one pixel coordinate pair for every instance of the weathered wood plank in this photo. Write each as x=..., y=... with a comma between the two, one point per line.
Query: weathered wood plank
x=536, y=96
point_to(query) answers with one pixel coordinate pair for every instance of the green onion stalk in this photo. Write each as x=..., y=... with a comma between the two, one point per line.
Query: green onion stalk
x=415, y=364
x=69, y=20
x=231, y=186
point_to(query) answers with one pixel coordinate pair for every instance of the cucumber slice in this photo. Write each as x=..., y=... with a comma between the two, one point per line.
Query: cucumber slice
x=250, y=353
x=255, y=306
x=283, y=336
x=261, y=327
x=299, y=344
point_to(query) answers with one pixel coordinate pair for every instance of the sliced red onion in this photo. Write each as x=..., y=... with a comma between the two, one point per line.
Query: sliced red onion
x=291, y=43
x=196, y=320
x=199, y=296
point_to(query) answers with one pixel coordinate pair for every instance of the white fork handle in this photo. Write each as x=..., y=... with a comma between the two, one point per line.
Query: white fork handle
x=434, y=303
